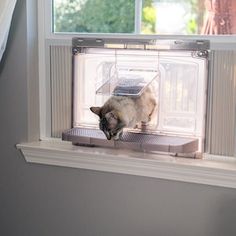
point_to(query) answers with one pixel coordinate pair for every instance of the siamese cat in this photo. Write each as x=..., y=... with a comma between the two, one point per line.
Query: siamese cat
x=121, y=112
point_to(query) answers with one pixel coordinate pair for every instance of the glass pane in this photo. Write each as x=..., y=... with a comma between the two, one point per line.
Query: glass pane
x=188, y=17
x=94, y=16
x=179, y=17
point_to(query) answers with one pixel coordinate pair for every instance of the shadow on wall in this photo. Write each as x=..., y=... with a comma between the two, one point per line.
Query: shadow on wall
x=224, y=217
x=3, y=62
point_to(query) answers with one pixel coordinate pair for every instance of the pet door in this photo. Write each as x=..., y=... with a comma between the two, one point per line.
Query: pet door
x=128, y=75
x=176, y=69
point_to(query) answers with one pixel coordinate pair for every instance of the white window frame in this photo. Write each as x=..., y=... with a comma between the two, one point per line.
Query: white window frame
x=211, y=170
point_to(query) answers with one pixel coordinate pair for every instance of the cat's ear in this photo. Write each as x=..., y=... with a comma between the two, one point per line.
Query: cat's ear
x=96, y=110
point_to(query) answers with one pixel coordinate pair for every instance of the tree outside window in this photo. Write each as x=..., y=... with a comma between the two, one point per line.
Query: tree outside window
x=181, y=17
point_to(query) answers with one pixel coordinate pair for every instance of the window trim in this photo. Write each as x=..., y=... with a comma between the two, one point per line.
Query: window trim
x=211, y=170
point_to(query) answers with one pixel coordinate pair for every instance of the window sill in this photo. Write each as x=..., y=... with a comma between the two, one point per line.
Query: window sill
x=209, y=170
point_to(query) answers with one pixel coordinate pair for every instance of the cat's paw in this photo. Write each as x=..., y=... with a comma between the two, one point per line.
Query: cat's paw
x=116, y=138
x=118, y=135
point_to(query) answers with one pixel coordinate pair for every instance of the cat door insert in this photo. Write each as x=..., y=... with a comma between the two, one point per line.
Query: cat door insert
x=176, y=69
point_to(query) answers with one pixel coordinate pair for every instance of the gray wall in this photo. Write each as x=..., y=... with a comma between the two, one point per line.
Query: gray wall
x=46, y=200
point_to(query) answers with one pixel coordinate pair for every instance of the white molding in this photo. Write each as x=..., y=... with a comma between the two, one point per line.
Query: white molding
x=216, y=42
x=42, y=68
x=201, y=171
x=138, y=16
x=32, y=71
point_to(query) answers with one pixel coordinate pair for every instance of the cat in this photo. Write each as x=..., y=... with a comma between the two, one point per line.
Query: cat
x=121, y=112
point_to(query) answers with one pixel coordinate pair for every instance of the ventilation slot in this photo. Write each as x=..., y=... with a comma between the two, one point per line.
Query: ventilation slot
x=61, y=89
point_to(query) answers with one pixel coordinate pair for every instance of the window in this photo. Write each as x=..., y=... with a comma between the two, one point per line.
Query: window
x=56, y=67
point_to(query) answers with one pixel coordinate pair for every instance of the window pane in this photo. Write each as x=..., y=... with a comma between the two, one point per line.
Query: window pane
x=187, y=17
x=179, y=17
x=94, y=16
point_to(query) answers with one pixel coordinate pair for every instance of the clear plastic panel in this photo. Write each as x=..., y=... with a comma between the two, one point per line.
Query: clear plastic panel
x=181, y=79
x=182, y=95
x=128, y=75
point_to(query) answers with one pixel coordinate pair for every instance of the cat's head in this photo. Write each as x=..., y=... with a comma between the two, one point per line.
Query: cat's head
x=110, y=122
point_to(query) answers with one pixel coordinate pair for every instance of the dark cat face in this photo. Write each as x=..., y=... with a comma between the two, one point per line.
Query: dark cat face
x=109, y=123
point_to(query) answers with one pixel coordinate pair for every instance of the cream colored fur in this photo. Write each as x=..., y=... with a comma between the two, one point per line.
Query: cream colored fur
x=132, y=110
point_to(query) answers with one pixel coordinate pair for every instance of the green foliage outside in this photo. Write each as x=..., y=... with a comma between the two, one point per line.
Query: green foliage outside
x=95, y=16
x=148, y=17
x=108, y=16
x=192, y=24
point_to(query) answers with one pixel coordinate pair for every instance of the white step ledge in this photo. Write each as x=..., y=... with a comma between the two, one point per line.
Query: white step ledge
x=210, y=170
